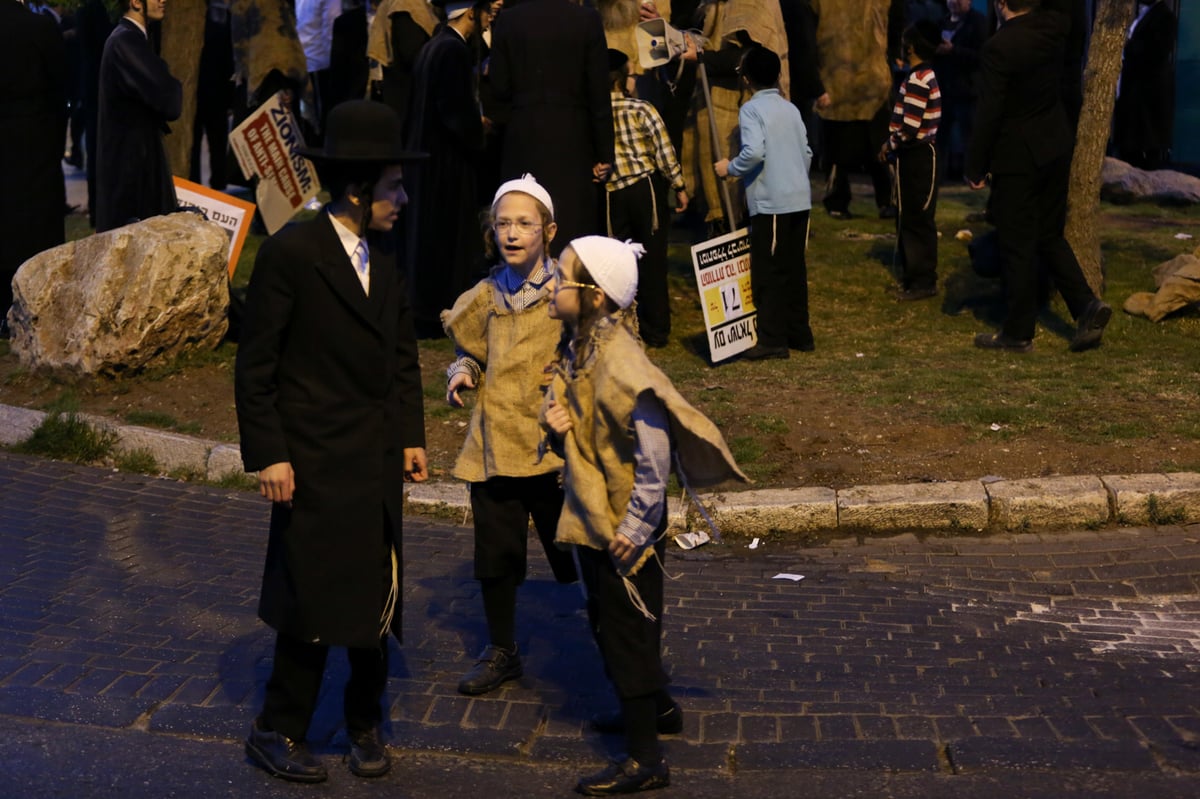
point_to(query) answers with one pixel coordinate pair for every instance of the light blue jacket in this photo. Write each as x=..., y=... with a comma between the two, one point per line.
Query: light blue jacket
x=775, y=156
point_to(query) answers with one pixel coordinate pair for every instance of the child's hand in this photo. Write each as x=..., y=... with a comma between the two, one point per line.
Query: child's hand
x=722, y=168
x=681, y=201
x=557, y=418
x=460, y=380
x=624, y=552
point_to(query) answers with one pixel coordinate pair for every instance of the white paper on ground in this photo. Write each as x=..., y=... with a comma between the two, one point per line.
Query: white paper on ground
x=692, y=540
x=786, y=576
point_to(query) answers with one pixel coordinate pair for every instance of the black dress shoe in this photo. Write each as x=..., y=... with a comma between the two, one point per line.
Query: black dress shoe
x=999, y=341
x=495, y=667
x=368, y=756
x=282, y=757
x=627, y=776
x=1091, y=326
x=888, y=212
x=760, y=353
x=669, y=722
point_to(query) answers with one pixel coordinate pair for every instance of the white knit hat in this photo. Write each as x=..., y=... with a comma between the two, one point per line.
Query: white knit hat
x=527, y=184
x=612, y=264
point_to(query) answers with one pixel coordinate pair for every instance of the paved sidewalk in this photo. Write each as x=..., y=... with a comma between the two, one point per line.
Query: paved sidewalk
x=127, y=605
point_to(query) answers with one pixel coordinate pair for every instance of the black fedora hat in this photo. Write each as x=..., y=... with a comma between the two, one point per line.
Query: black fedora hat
x=362, y=132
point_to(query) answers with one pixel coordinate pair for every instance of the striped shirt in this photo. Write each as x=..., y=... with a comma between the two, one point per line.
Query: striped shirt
x=918, y=109
x=642, y=145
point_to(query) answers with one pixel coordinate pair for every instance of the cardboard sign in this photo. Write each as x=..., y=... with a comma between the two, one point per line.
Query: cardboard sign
x=266, y=145
x=723, y=276
x=229, y=212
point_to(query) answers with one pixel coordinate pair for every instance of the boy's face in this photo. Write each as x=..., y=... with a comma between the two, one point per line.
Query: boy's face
x=564, y=294
x=388, y=198
x=519, y=231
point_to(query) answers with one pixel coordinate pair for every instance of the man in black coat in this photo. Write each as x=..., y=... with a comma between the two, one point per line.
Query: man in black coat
x=33, y=120
x=330, y=412
x=1022, y=143
x=138, y=97
x=443, y=237
x=1145, y=112
x=549, y=60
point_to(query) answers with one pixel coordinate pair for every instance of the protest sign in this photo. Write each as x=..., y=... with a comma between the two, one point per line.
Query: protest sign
x=230, y=213
x=266, y=145
x=723, y=276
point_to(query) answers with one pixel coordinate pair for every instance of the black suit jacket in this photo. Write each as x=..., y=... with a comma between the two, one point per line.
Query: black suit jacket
x=1020, y=122
x=327, y=379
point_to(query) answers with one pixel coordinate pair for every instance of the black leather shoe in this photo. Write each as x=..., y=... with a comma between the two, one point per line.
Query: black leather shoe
x=368, y=756
x=909, y=295
x=1091, y=326
x=889, y=212
x=801, y=346
x=669, y=722
x=282, y=757
x=760, y=353
x=495, y=667
x=627, y=776
x=999, y=341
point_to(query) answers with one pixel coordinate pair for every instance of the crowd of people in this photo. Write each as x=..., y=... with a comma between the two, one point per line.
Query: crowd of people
x=504, y=173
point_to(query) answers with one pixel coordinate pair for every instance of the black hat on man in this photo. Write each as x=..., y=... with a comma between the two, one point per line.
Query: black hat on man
x=362, y=132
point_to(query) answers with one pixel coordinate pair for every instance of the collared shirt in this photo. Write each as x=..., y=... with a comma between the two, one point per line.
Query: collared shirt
x=771, y=129
x=314, y=27
x=350, y=241
x=139, y=25
x=517, y=293
x=642, y=145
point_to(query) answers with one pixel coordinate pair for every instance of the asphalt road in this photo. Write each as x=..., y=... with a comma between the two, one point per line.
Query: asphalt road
x=1036, y=665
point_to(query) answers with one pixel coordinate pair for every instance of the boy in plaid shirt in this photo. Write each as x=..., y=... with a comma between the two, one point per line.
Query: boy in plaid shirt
x=635, y=195
x=911, y=146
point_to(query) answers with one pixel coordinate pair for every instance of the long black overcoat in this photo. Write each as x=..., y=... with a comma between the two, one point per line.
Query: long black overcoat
x=549, y=60
x=445, y=246
x=33, y=123
x=138, y=97
x=327, y=379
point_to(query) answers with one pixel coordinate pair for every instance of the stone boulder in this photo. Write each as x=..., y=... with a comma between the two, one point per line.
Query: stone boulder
x=119, y=301
x=1178, y=282
x=1123, y=184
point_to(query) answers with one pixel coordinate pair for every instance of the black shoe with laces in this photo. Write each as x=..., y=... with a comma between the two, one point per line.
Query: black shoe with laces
x=282, y=757
x=495, y=667
x=368, y=756
x=1091, y=326
x=999, y=341
x=626, y=776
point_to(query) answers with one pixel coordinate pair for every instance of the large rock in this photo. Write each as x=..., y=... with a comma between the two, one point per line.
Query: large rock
x=1122, y=183
x=118, y=301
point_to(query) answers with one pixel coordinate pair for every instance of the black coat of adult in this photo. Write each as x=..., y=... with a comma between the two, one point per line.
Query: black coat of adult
x=549, y=60
x=956, y=69
x=33, y=119
x=1023, y=139
x=138, y=97
x=327, y=380
x=443, y=239
x=1144, y=117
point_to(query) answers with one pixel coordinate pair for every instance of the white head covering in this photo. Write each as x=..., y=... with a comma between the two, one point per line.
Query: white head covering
x=612, y=264
x=526, y=184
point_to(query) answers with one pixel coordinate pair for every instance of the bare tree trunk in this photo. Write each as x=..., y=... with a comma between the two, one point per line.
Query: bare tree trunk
x=182, y=40
x=1099, y=96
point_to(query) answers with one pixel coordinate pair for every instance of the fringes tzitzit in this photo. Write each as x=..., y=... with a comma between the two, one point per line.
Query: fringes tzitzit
x=389, y=605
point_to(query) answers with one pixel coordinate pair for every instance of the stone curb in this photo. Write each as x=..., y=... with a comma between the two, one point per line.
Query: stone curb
x=990, y=504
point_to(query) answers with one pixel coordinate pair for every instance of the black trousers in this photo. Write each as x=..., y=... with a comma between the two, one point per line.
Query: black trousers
x=502, y=507
x=632, y=213
x=1029, y=211
x=295, y=684
x=916, y=202
x=630, y=644
x=779, y=279
x=853, y=146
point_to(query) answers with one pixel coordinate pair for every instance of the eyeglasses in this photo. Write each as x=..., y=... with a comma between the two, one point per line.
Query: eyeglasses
x=561, y=282
x=522, y=228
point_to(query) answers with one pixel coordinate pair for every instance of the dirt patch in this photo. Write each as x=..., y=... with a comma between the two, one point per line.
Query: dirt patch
x=830, y=440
